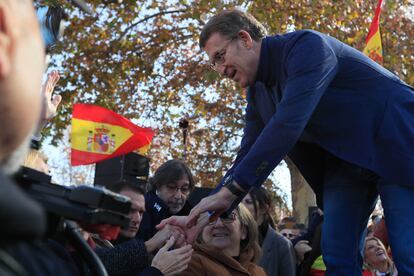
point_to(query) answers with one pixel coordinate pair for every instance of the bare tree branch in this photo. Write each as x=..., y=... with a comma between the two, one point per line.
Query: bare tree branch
x=148, y=18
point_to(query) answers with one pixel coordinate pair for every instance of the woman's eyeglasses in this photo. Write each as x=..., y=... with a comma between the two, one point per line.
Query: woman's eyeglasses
x=224, y=219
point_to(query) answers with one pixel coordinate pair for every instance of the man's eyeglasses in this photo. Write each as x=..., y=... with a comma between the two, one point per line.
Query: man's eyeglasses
x=173, y=188
x=224, y=219
x=288, y=235
x=218, y=57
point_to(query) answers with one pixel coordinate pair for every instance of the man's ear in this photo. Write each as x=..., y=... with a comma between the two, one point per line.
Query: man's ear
x=246, y=39
x=5, y=40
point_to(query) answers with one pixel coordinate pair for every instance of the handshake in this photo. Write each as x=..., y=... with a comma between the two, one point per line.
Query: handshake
x=207, y=210
x=182, y=232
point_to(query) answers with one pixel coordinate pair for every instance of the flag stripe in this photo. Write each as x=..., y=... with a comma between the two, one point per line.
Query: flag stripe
x=99, y=114
x=373, y=47
x=375, y=22
x=99, y=134
x=84, y=158
x=82, y=128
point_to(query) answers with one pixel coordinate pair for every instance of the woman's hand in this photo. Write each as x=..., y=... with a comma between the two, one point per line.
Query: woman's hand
x=174, y=261
x=162, y=236
x=191, y=233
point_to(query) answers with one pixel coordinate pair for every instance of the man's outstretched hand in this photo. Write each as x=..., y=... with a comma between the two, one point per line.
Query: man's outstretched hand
x=191, y=233
x=216, y=204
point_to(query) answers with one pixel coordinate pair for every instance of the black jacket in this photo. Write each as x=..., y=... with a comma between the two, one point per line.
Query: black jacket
x=128, y=257
x=155, y=211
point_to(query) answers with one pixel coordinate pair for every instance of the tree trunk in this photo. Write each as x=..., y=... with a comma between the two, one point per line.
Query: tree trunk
x=303, y=196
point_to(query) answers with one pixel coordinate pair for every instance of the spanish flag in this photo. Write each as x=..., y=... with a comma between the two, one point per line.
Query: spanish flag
x=373, y=47
x=99, y=134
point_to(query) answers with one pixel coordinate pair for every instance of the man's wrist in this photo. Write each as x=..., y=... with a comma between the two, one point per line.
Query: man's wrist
x=233, y=187
x=239, y=186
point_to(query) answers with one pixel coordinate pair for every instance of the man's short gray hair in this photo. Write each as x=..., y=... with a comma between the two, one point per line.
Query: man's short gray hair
x=229, y=22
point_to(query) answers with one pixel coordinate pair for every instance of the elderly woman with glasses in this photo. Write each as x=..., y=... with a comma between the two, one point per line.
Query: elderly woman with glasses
x=227, y=247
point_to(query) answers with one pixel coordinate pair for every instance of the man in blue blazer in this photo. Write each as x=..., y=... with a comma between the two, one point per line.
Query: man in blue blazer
x=346, y=122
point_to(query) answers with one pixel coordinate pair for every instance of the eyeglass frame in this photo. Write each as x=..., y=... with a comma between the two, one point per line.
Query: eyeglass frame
x=289, y=235
x=184, y=191
x=219, y=61
x=224, y=220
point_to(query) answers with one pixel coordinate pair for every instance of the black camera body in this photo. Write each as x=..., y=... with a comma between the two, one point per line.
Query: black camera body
x=84, y=204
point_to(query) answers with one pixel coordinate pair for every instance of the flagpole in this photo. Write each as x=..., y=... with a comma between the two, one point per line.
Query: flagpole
x=70, y=174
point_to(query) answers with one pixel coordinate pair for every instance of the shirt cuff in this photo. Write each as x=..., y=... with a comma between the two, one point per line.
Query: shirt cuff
x=243, y=185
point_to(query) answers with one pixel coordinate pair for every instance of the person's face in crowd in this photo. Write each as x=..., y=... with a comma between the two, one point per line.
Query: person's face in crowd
x=236, y=59
x=175, y=194
x=375, y=253
x=249, y=204
x=290, y=233
x=225, y=234
x=135, y=214
x=22, y=56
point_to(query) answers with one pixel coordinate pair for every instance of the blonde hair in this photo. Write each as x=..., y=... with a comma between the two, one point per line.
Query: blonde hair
x=249, y=247
x=389, y=261
x=37, y=161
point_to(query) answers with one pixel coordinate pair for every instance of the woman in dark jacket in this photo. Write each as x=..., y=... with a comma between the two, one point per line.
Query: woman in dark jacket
x=278, y=255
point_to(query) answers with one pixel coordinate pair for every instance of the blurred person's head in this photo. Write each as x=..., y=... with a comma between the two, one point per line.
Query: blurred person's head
x=136, y=194
x=51, y=20
x=37, y=161
x=259, y=202
x=231, y=39
x=234, y=235
x=173, y=182
x=289, y=228
x=290, y=233
x=376, y=256
x=288, y=221
x=22, y=56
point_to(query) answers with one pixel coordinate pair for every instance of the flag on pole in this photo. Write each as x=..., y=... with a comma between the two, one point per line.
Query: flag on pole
x=373, y=47
x=99, y=134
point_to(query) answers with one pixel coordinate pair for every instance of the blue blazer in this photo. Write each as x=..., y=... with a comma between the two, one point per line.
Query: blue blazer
x=314, y=94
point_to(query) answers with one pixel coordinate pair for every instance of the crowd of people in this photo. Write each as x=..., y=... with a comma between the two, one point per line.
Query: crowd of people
x=295, y=106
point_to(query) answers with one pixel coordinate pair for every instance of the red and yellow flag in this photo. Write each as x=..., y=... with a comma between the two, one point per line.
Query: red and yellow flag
x=373, y=47
x=99, y=134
